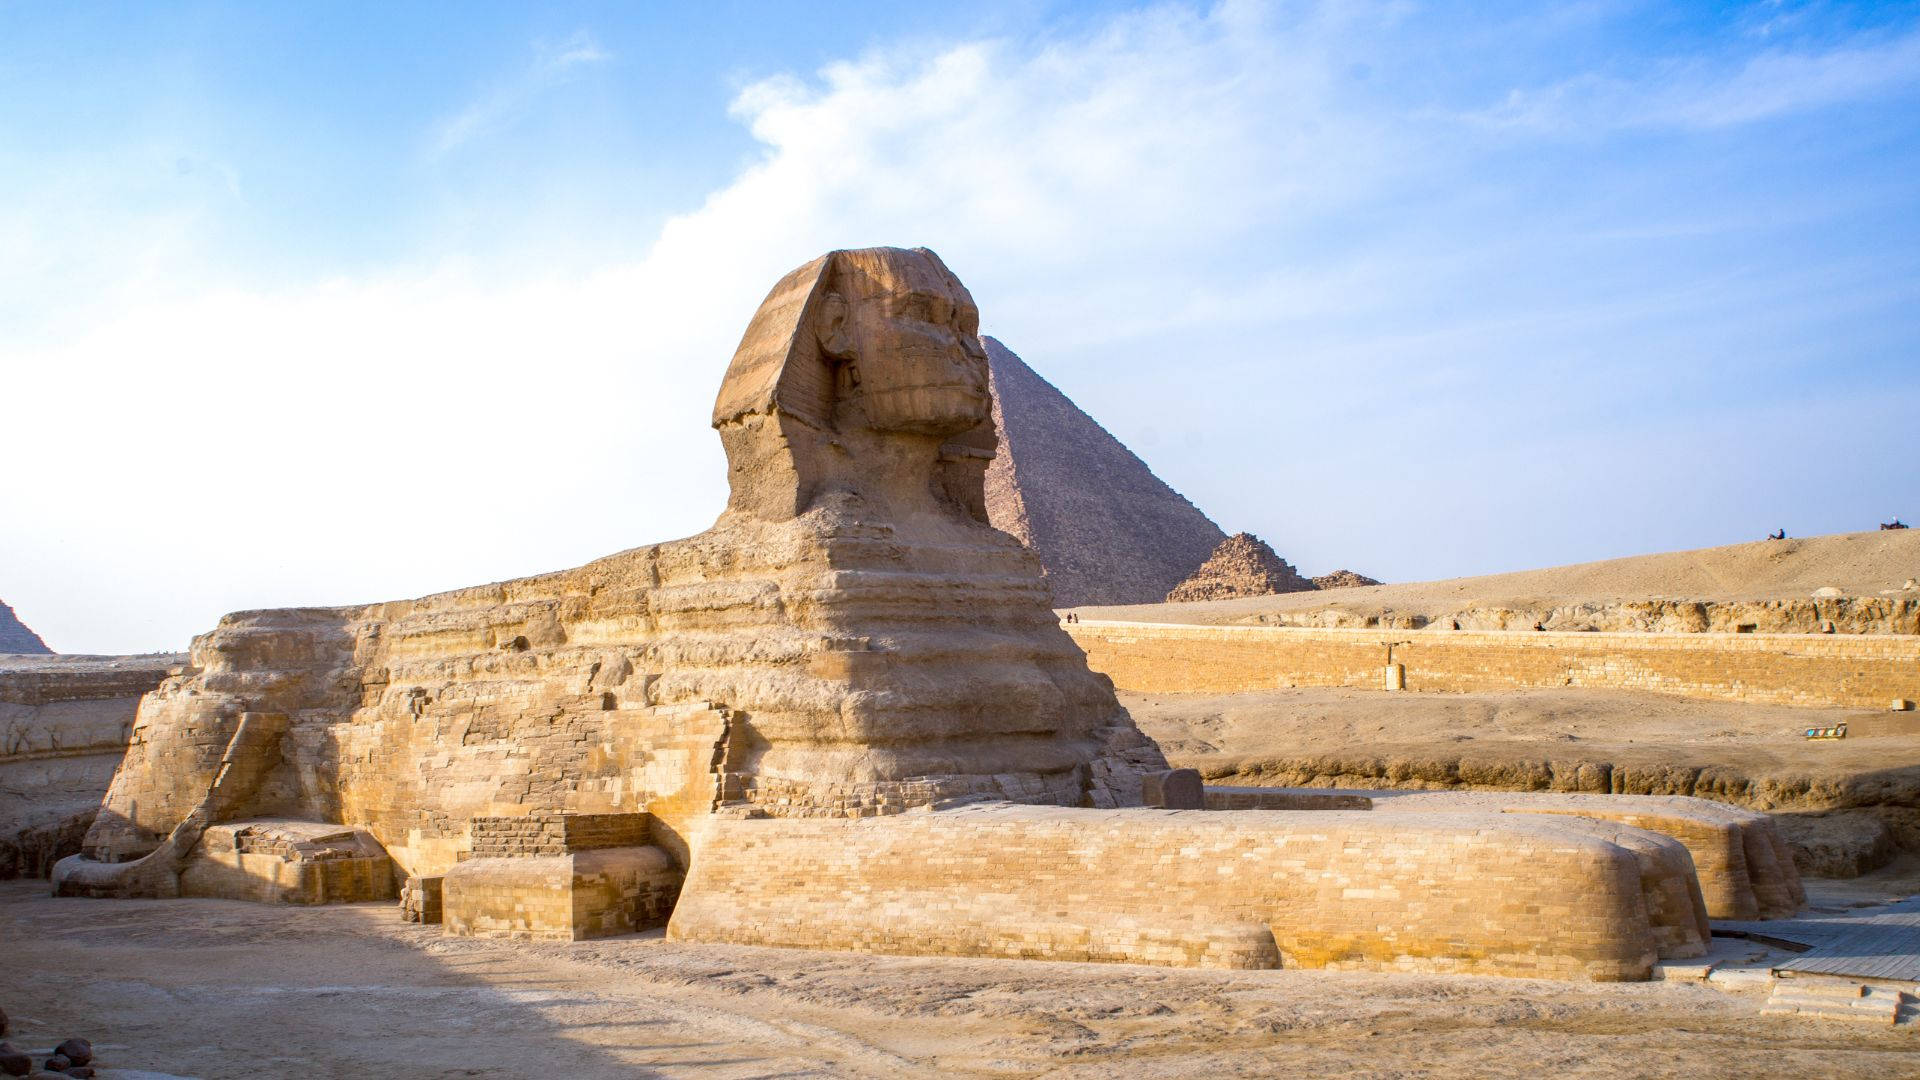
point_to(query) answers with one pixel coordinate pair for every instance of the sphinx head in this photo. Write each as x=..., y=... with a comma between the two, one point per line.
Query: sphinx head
x=862, y=370
x=903, y=337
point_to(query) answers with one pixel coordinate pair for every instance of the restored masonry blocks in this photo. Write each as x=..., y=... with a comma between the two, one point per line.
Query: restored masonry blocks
x=845, y=717
x=559, y=877
x=556, y=834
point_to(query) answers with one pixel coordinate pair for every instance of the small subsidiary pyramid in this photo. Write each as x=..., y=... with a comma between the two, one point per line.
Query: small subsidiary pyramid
x=1342, y=579
x=1243, y=565
x=1107, y=530
x=15, y=637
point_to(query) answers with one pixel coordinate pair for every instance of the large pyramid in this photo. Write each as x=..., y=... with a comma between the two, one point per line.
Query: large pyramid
x=15, y=637
x=1107, y=530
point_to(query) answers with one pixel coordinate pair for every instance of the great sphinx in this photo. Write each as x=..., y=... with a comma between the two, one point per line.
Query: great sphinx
x=847, y=714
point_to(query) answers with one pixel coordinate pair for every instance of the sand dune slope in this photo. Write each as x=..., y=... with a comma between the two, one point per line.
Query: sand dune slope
x=1870, y=564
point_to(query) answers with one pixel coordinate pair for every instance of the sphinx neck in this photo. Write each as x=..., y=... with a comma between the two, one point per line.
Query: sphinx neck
x=896, y=475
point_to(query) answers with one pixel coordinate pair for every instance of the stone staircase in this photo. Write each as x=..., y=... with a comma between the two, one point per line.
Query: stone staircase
x=1835, y=999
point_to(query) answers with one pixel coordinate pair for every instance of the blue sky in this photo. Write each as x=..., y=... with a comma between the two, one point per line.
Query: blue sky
x=347, y=303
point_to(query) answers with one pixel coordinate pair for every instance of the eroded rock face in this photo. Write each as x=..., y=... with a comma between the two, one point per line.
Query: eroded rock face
x=64, y=722
x=1243, y=565
x=850, y=639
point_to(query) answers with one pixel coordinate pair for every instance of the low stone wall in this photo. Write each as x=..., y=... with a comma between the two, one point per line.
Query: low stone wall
x=1257, y=798
x=1494, y=894
x=1790, y=669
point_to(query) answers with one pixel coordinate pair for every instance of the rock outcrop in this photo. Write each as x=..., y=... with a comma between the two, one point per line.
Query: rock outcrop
x=1243, y=565
x=64, y=722
x=1342, y=579
x=1106, y=529
x=16, y=638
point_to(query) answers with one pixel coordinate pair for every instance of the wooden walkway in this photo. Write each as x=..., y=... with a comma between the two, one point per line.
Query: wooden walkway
x=1880, y=942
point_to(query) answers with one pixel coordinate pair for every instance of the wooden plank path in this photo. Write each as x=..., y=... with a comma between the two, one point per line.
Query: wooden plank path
x=1881, y=942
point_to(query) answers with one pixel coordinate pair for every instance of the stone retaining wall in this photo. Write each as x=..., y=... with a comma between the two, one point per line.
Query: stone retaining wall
x=1497, y=894
x=1787, y=669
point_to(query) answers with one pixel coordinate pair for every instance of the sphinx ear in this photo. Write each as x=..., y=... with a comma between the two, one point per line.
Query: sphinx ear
x=831, y=327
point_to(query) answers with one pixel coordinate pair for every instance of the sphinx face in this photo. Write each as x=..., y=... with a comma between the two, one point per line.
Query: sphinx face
x=912, y=359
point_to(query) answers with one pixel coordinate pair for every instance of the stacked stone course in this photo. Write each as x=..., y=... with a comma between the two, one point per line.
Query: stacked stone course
x=556, y=877
x=1786, y=669
x=556, y=834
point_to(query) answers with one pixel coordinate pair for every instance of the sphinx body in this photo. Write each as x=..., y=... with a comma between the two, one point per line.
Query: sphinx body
x=849, y=672
x=849, y=638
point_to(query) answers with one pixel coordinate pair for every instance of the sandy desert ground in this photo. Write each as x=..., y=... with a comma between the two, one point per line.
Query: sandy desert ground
x=218, y=989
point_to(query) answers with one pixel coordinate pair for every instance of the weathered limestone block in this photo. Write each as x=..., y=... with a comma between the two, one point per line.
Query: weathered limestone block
x=420, y=899
x=1175, y=789
x=1451, y=893
x=288, y=862
x=595, y=893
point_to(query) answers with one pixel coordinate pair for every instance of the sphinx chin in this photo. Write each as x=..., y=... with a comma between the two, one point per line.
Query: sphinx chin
x=924, y=410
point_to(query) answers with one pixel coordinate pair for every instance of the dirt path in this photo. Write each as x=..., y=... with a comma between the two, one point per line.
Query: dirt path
x=225, y=989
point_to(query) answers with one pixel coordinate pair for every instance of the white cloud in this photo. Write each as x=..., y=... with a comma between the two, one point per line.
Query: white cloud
x=1131, y=197
x=399, y=432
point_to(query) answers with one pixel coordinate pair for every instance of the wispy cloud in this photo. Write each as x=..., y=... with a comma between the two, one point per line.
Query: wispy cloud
x=552, y=65
x=1698, y=94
